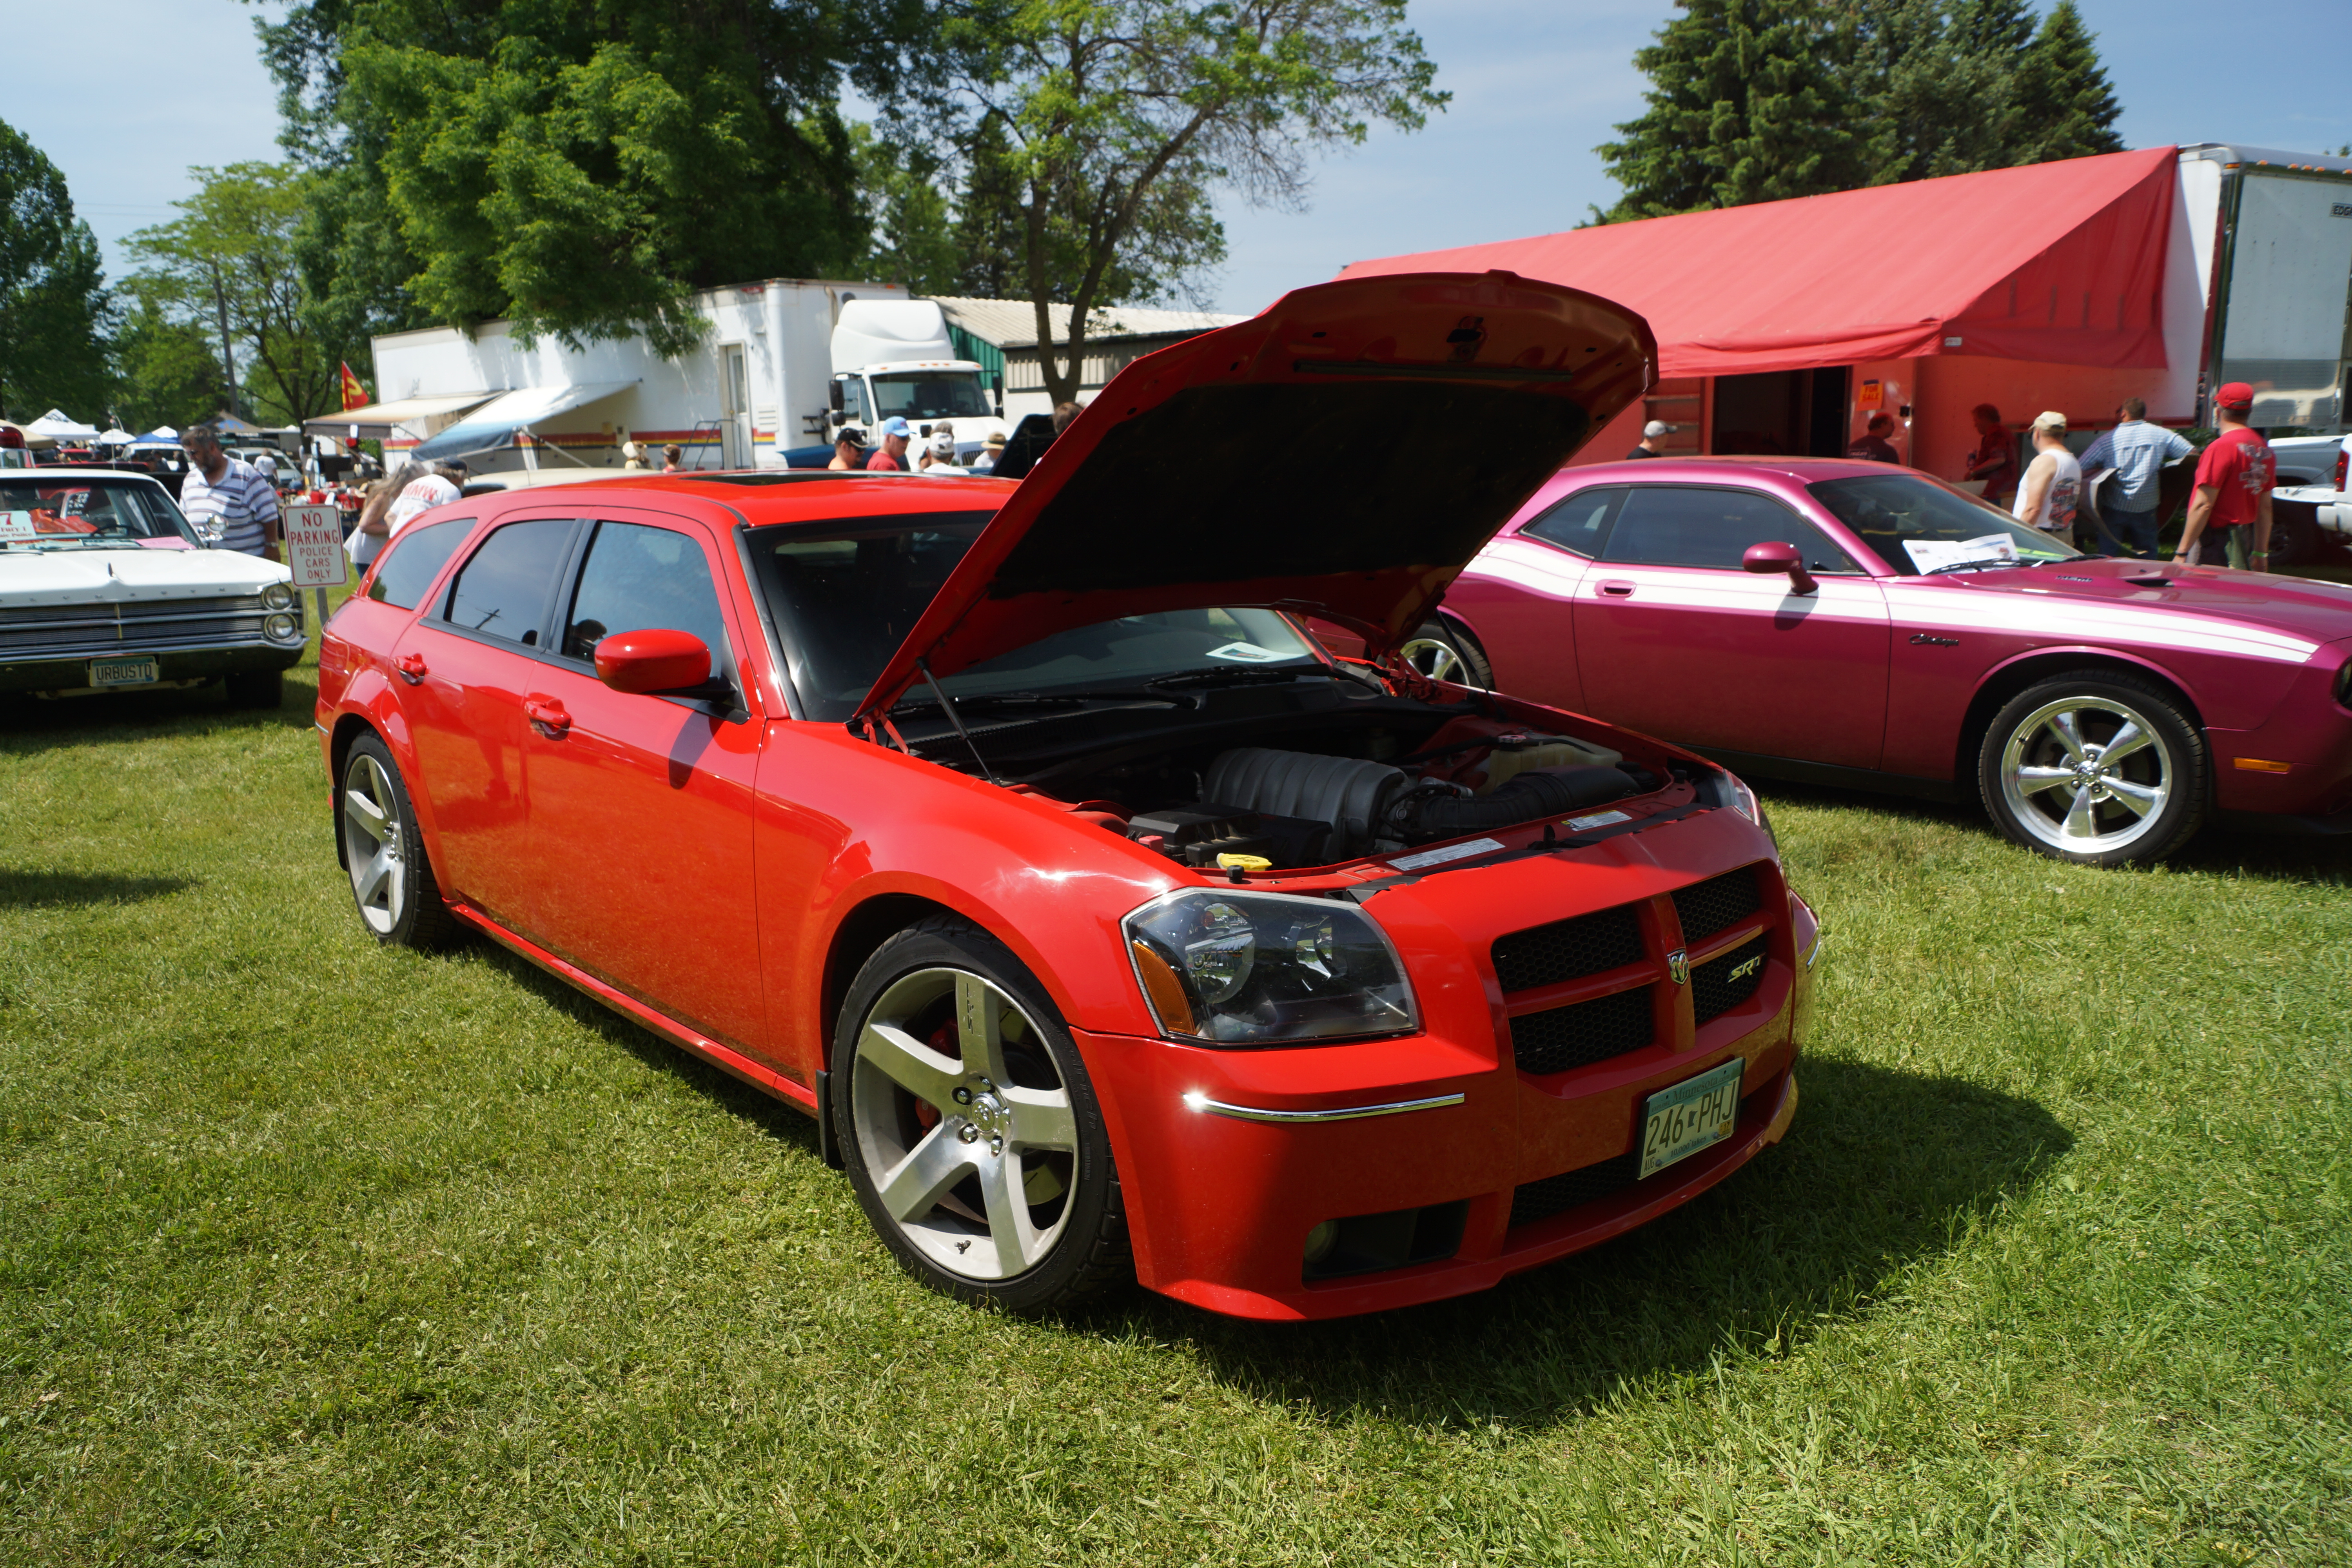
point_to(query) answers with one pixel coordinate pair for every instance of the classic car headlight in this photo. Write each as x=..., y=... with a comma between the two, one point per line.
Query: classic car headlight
x=278, y=596
x=1248, y=969
x=281, y=627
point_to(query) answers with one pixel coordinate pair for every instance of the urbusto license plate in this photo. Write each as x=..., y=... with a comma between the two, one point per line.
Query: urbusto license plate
x=1697, y=1111
x=122, y=671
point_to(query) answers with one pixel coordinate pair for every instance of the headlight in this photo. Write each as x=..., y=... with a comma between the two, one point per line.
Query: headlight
x=1247, y=969
x=1731, y=790
x=2344, y=684
x=281, y=627
x=278, y=596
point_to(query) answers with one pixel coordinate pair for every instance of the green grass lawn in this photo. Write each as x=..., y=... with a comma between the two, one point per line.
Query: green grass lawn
x=313, y=1253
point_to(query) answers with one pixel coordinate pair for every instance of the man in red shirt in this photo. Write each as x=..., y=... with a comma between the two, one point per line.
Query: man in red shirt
x=2234, y=489
x=1996, y=456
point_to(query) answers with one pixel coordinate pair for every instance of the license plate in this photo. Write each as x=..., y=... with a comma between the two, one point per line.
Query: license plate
x=1680, y=1121
x=122, y=671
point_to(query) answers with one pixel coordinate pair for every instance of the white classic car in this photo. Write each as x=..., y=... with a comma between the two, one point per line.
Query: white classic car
x=104, y=587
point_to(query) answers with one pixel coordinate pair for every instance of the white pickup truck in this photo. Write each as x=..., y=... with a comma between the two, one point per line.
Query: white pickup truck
x=2308, y=501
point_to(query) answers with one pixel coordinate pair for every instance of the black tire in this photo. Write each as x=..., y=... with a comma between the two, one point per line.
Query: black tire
x=1443, y=651
x=407, y=910
x=263, y=691
x=972, y=1142
x=2296, y=538
x=2027, y=773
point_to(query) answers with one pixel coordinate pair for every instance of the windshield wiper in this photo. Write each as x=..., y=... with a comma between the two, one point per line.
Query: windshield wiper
x=1977, y=566
x=1229, y=675
x=1000, y=699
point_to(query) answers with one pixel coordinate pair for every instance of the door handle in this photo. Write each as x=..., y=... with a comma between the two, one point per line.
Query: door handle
x=547, y=716
x=411, y=666
x=1617, y=590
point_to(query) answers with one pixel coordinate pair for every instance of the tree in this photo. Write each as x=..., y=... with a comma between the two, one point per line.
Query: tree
x=1747, y=104
x=580, y=167
x=2066, y=107
x=54, y=307
x=169, y=372
x=1118, y=119
x=229, y=261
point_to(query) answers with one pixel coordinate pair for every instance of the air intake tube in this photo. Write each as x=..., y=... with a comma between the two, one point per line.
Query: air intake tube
x=1526, y=796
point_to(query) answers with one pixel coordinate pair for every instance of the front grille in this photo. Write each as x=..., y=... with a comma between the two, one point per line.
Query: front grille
x=70, y=629
x=1568, y=950
x=1583, y=1033
x=1722, y=984
x=1558, y=1194
x=1718, y=903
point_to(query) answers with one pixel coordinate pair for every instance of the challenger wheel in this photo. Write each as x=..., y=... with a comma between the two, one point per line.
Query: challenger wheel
x=1443, y=652
x=2096, y=768
x=391, y=882
x=968, y=1126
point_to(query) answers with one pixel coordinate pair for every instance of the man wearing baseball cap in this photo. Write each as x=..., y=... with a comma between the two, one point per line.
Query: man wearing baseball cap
x=2233, y=490
x=1654, y=432
x=892, y=453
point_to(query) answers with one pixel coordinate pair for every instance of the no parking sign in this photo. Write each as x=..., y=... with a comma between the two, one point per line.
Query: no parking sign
x=314, y=546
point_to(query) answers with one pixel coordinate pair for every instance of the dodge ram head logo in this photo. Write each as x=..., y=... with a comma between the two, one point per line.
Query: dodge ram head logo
x=1678, y=966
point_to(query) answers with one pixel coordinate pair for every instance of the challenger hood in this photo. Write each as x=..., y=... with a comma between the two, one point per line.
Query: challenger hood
x=97, y=575
x=2271, y=613
x=1344, y=455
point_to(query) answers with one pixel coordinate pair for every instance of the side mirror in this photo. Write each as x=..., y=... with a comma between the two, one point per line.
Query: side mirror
x=996, y=395
x=653, y=661
x=1772, y=555
x=832, y=395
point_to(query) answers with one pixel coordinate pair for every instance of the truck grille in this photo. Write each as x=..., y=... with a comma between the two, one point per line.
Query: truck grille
x=67, y=630
x=1583, y=1033
x=1722, y=984
x=1718, y=903
x=1568, y=950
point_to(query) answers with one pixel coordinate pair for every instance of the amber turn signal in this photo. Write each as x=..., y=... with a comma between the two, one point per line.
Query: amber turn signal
x=1165, y=990
x=2256, y=765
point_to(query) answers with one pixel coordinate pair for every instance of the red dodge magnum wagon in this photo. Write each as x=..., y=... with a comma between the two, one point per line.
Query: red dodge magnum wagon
x=1020, y=834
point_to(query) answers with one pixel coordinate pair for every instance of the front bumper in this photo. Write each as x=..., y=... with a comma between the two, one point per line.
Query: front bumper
x=70, y=674
x=1221, y=1205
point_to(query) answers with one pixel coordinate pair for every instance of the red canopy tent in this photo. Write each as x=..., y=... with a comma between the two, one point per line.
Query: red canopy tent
x=2060, y=263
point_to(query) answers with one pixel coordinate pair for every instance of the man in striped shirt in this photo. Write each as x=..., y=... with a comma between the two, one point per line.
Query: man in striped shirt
x=233, y=507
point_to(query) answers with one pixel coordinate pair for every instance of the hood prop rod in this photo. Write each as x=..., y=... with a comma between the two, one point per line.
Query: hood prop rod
x=948, y=707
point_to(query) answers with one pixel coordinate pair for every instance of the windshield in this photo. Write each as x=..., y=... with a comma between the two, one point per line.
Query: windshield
x=1919, y=527
x=930, y=394
x=846, y=595
x=49, y=512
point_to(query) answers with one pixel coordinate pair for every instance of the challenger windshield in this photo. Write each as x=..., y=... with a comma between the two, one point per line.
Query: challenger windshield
x=49, y=512
x=845, y=595
x=1920, y=527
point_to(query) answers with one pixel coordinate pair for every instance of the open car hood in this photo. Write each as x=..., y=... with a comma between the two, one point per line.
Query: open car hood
x=1343, y=455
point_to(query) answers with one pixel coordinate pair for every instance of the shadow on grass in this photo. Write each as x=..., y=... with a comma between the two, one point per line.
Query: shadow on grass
x=1881, y=1170
x=62, y=890
x=28, y=724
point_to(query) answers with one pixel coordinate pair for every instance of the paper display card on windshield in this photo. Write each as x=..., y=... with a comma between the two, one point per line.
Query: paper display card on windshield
x=1934, y=554
x=16, y=525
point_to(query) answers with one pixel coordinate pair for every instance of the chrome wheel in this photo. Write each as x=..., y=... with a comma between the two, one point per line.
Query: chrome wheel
x=964, y=1124
x=372, y=841
x=2087, y=774
x=1437, y=660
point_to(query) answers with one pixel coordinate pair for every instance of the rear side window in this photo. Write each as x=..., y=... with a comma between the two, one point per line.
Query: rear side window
x=507, y=589
x=412, y=561
x=639, y=577
x=1692, y=525
x=1579, y=523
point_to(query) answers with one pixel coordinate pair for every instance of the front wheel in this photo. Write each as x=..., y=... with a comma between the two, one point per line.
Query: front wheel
x=1443, y=652
x=969, y=1128
x=392, y=881
x=2099, y=769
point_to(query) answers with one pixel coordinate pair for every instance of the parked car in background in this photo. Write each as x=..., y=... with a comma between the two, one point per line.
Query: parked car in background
x=1014, y=832
x=2309, y=506
x=104, y=587
x=1839, y=622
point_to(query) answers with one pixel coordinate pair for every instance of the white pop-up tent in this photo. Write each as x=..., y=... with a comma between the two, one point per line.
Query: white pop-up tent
x=62, y=427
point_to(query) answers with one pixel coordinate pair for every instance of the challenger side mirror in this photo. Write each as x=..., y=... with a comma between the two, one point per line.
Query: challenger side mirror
x=1772, y=555
x=656, y=661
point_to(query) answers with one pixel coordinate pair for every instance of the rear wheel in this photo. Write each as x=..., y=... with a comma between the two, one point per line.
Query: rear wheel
x=1444, y=652
x=262, y=689
x=2294, y=534
x=969, y=1128
x=391, y=882
x=2096, y=768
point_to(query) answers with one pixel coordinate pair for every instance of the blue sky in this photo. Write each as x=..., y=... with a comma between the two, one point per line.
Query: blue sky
x=1537, y=85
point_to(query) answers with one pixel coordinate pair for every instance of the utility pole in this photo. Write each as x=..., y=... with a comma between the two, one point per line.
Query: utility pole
x=228, y=354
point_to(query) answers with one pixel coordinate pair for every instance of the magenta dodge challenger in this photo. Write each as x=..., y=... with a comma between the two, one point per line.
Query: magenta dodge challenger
x=1855, y=624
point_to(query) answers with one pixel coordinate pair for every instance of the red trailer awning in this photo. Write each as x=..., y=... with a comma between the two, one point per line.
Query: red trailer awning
x=2062, y=263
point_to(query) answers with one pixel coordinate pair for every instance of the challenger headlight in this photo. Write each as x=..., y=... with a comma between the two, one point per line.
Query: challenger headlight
x=278, y=596
x=281, y=627
x=1249, y=969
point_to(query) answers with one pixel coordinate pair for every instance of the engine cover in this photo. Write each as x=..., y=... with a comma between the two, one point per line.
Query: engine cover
x=1346, y=792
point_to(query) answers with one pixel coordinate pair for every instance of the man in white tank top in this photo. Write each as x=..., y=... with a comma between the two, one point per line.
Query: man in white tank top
x=2053, y=485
